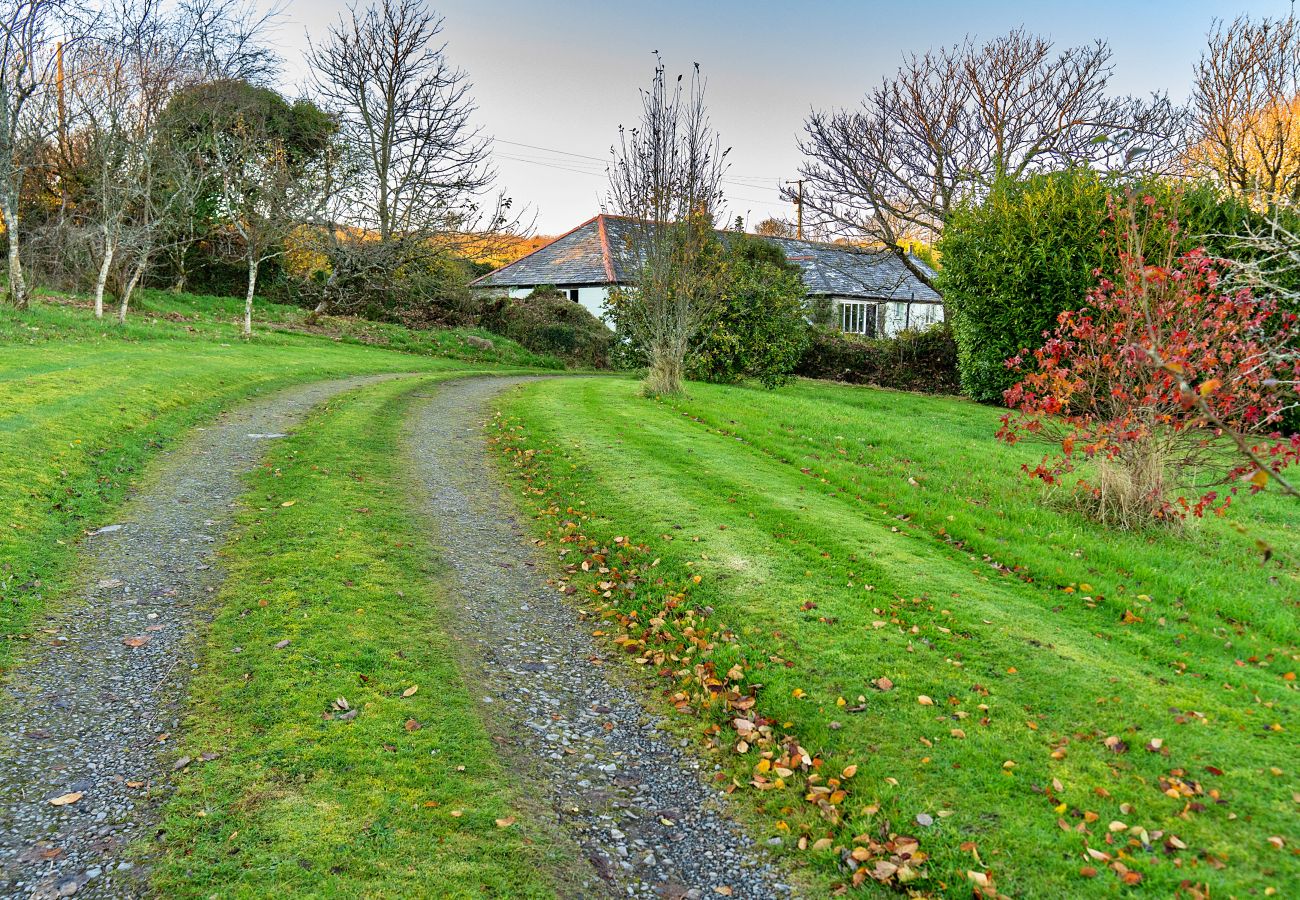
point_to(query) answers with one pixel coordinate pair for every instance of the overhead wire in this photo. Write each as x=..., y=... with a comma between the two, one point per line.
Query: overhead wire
x=744, y=181
x=602, y=174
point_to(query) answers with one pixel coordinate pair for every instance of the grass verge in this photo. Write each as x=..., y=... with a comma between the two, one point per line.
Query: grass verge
x=337, y=753
x=915, y=671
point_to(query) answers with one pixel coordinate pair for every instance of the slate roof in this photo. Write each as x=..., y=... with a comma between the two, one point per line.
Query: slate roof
x=590, y=255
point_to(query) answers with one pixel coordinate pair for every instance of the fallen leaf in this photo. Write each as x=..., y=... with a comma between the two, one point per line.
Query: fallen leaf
x=723, y=890
x=506, y=822
x=134, y=642
x=411, y=690
x=289, y=503
x=282, y=644
x=65, y=799
x=412, y=725
x=924, y=700
x=883, y=684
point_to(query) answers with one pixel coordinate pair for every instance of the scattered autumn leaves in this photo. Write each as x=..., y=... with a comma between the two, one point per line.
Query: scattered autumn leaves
x=658, y=627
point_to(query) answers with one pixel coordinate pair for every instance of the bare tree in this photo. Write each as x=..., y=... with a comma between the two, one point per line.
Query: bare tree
x=666, y=175
x=226, y=40
x=108, y=80
x=29, y=52
x=408, y=114
x=413, y=171
x=1246, y=108
x=952, y=121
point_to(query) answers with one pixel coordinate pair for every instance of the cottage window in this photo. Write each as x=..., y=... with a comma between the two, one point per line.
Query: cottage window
x=573, y=294
x=858, y=317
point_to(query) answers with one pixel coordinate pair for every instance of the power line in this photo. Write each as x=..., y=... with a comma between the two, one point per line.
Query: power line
x=731, y=179
x=562, y=168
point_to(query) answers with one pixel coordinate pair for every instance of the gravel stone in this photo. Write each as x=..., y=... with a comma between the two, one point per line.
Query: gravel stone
x=85, y=712
x=528, y=650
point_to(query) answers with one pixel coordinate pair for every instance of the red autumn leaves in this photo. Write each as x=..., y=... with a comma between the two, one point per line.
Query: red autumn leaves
x=1163, y=374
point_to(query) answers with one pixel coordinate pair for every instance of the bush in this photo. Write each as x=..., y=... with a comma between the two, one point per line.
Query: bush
x=547, y=322
x=923, y=361
x=1012, y=264
x=404, y=282
x=1162, y=388
x=761, y=330
x=1030, y=251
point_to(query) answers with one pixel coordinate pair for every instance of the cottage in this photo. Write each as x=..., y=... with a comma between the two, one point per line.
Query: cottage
x=870, y=292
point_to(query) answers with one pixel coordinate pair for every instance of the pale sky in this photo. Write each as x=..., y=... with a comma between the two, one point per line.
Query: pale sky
x=553, y=81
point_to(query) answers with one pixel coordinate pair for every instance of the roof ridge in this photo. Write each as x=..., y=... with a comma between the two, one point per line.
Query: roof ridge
x=605, y=255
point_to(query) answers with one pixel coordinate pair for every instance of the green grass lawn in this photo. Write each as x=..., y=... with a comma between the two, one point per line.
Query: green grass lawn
x=84, y=403
x=1052, y=688
x=399, y=792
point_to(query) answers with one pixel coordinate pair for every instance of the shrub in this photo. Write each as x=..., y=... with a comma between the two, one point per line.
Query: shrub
x=405, y=282
x=1031, y=251
x=1014, y=262
x=760, y=331
x=547, y=322
x=1164, y=385
x=913, y=361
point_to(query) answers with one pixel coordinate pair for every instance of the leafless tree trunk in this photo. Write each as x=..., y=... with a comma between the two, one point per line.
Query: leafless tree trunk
x=28, y=53
x=1246, y=108
x=666, y=175
x=952, y=121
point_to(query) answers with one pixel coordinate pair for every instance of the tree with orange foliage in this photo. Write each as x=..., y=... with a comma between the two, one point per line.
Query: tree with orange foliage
x=1246, y=107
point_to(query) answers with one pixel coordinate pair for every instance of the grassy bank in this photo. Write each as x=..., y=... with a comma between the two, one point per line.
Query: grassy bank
x=1045, y=707
x=393, y=790
x=84, y=403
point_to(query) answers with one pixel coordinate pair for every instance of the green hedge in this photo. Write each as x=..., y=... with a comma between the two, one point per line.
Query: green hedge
x=913, y=361
x=1012, y=264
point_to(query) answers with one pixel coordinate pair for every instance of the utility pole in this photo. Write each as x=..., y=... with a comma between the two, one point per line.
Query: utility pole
x=62, y=125
x=798, y=207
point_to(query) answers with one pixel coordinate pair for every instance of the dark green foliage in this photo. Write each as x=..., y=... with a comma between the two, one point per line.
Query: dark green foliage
x=760, y=331
x=1012, y=264
x=547, y=322
x=409, y=283
x=913, y=361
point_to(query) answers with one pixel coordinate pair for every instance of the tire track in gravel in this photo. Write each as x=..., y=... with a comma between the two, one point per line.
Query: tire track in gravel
x=620, y=786
x=87, y=714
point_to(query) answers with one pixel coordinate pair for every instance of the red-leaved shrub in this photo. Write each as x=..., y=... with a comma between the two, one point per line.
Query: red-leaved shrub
x=1165, y=387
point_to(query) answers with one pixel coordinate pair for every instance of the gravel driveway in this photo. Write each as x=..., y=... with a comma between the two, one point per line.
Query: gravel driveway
x=85, y=723
x=620, y=786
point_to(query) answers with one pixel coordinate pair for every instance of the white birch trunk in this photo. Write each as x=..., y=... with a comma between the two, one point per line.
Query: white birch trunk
x=102, y=279
x=128, y=291
x=248, y=298
x=17, y=283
